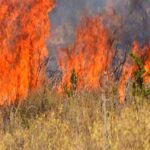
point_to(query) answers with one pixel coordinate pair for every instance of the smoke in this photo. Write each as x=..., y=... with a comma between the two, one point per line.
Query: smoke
x=135, y=19
x=67, y=15
x=134, y=22
x=64, y=20
x=127, y=20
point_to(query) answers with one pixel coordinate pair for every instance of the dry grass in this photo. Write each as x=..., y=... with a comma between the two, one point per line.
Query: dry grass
x=49, y=121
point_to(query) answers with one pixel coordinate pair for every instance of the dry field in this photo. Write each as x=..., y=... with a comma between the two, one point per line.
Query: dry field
x=85, y=121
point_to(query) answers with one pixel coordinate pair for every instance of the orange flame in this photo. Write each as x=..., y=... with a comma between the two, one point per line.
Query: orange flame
x=130, y=68
x=89, y=57
x=24, y=27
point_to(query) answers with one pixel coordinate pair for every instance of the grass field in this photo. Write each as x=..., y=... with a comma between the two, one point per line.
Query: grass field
x=85, y=121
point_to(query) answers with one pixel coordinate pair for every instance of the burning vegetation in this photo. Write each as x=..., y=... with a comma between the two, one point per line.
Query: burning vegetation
x=85, y=62
x=88, y=58
x=24, y=28
x=108, y=64
x=137, y=68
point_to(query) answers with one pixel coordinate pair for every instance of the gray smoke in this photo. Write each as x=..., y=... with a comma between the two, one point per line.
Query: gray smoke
x=134, y=14
x=127, y=20
x=130, y=21
x=67, y=15
x=64, y=19
x=135, y=19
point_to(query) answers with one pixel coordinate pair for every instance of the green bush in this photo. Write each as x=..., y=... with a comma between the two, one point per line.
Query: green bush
x=139, y=88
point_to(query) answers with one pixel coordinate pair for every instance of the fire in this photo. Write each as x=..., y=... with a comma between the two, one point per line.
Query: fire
x=92, y=53
x=24, y=27
x=89, y=57
x=130, y=67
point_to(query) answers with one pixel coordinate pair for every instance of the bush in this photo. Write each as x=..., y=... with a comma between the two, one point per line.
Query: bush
x=139, y=88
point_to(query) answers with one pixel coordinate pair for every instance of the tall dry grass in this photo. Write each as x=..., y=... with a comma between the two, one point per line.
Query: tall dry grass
x=82, y=122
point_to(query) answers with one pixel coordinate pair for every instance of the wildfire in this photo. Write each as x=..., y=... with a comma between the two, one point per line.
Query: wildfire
x=24, y=27
x=89, y=57
x=130, y=67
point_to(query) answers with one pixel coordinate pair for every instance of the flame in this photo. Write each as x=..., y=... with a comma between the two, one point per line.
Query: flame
x=24, y=27
x=130, y=67
x=89, y=57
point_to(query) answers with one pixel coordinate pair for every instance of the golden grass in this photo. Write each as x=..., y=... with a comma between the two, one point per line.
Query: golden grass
x=75, y=123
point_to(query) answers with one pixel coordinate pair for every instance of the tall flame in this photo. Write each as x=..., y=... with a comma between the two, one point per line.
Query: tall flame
x=24, y=27
x=130, y=67
x=89, y=57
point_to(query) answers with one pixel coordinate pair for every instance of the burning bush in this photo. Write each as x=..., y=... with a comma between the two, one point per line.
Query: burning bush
x=137, y=68
x=95, y=45
x=24, y=27
x=89, y=57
